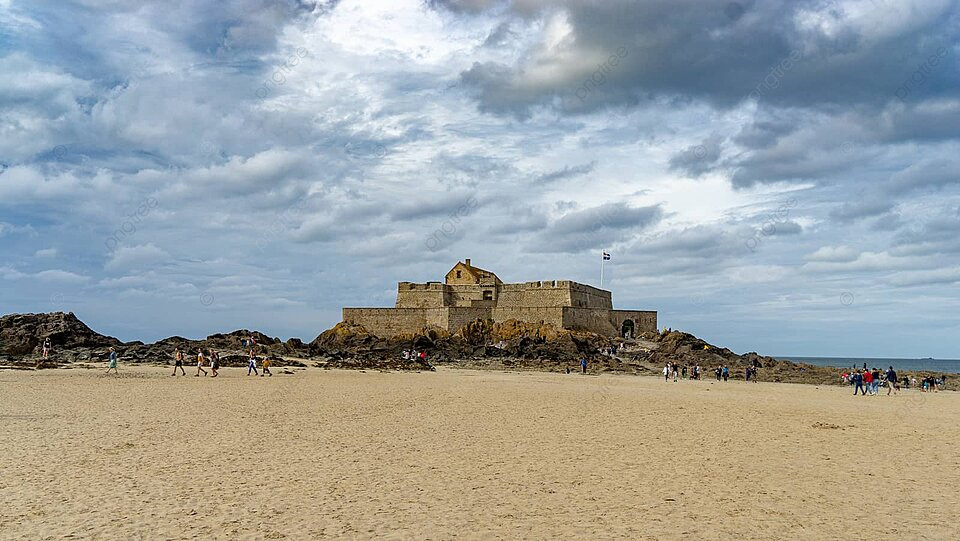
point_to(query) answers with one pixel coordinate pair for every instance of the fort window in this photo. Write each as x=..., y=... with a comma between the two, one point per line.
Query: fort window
x=488, y=295
x=458, y=274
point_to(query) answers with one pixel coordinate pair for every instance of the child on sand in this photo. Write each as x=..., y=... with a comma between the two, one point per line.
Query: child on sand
x=266, y=367
x=178, y=362
x=252, y=365
x=200, y=363
x=214, y=362
x=113, y=362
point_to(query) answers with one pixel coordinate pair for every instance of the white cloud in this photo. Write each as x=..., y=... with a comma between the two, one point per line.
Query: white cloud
x=136, y=257
x=834, y=254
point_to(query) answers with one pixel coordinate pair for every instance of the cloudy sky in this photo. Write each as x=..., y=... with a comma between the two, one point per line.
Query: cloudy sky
x=778, y=176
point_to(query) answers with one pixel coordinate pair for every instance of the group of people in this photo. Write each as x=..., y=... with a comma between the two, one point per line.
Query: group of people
x=721, y=372
x=612, y=350
x=933, y=384
x=212, y=360
x=868, y=381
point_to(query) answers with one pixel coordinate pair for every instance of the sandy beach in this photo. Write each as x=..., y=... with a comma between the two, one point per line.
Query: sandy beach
x=468, y=454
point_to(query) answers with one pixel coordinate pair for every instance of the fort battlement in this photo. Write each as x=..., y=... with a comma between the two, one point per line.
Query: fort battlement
x=469, y=293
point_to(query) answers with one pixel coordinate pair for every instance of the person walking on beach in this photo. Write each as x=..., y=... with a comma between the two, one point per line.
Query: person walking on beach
x=718, y=372
x=868, y=382
x=892, y=384
x=266, y=367
x=858, y=382
x=112, y=365
x=178, y=362
x=214, y=362
x=726, y=373
x=583, y=365
x=666, y=372
x=676, y=371
x=252, y=364
x=44, y=353
x=200, y=363
x=875, y=375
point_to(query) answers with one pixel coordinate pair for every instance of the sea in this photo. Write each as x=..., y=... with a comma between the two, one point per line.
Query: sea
x=944, y=366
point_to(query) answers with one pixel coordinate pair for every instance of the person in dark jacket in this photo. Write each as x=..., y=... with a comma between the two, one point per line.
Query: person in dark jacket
x=858, y=382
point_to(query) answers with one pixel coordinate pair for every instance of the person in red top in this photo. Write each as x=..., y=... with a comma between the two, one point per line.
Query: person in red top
x=867, y=379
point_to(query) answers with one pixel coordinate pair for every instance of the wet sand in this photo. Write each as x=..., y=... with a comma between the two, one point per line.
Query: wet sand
x=468, y=454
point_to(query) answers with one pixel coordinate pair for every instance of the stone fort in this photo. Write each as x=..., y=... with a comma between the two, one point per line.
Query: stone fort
x=469, y=293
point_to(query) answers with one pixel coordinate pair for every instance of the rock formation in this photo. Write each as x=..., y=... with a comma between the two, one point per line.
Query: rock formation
x=482, y=344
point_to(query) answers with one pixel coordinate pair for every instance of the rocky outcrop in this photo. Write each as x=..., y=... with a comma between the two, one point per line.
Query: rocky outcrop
x=23, y=334
x=348, y=342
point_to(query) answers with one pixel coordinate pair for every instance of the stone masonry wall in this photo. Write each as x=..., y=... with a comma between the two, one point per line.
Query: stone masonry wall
x=459, y=316
x=589, y=319
x=387, y=322
x=584, y=296
x=643, y=320
x=413, y=295
x=547, y=314
x=554, y=293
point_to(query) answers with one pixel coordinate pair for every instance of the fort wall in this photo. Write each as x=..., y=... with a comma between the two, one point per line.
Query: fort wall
x=413, y=295
x=459, y=316
x=389, y=322
x=451, y=305
x=643, y=320
x=552, y=315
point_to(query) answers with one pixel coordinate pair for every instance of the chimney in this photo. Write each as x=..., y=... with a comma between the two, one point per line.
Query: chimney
x=466, y=261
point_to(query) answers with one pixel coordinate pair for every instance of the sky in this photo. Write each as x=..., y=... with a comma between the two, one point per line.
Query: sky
x=776, y=176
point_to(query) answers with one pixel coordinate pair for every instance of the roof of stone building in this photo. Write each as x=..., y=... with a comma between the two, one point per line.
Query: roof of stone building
x=477, y=272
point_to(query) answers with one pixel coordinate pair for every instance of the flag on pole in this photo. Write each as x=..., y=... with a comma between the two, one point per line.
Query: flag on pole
x=606, y=256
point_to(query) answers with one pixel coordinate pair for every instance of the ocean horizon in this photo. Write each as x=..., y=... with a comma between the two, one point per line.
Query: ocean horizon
x=948, y=366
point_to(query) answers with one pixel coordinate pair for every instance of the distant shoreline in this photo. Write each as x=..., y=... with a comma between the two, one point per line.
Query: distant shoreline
x=946, y=366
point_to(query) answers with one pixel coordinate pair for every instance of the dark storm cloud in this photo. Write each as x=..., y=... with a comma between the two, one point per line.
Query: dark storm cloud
x=787, y=53
x=566, y=172
x=698, y=159
x=520, y=220
x=764, y=133
x=934, y=174
x=938, y=234
x=432, y=205
x=595, y=227
x=852, y=211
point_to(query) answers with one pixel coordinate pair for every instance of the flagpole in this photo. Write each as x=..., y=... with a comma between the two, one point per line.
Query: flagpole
x=602, y=259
